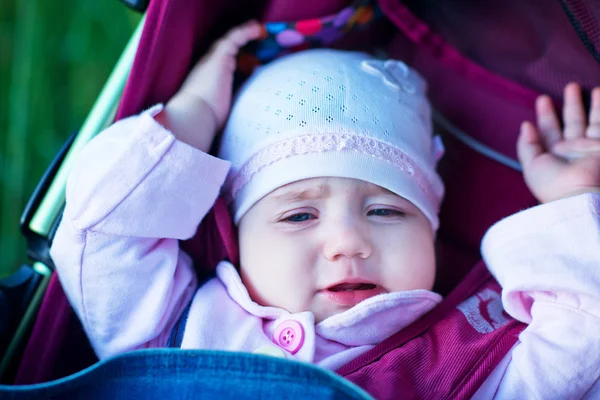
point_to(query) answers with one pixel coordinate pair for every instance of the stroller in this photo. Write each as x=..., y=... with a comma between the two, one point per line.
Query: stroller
x=481, y=85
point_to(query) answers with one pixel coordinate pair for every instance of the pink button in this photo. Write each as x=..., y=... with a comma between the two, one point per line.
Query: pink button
x=289, y=335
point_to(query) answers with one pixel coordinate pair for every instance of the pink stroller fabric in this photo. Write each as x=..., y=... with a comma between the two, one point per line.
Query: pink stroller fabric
x=485, y=64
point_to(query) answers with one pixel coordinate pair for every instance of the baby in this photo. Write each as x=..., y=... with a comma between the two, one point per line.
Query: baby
x=328, y=161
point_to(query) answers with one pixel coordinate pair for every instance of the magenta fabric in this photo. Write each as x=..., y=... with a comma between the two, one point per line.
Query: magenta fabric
x=441, y=356
x=533, y=43
x=39, y=356
x=215, y=241
x=584, y=17
x=172, y=32
x=57, y=346
x=226, y=231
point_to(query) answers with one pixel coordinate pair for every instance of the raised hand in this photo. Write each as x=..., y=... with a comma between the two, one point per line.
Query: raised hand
x=202, y=104
x=211, y=79
x=557, y=162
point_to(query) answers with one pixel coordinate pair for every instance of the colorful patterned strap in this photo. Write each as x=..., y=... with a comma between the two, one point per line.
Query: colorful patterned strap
x=281, y=38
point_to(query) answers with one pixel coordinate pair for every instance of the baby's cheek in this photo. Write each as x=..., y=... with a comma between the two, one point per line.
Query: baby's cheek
x=262, y=286
x=254, y=271
x=410, y=264
x=269, y=287
x=277, y=281
x=423, y=262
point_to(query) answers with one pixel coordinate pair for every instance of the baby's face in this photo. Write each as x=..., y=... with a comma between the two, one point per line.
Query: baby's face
x=325, y=244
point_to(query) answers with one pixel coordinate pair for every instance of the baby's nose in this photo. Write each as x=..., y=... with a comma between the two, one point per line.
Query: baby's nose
x=350, y=241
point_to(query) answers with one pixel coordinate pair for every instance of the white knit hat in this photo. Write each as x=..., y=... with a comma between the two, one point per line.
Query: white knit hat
x=332, y=113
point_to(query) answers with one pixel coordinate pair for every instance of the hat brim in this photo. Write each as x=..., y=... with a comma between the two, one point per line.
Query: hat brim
x=342, y=164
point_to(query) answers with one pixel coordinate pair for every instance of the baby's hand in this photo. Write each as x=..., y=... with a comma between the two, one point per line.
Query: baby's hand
x=211, y=79
x=558, y=164
x=201, y=105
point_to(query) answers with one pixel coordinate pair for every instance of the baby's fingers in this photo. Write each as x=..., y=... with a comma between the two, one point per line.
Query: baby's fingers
x=238, y=37
x=593, y=130
x=577, y=149
x=246, y=32
x=547, y=121
x=529, y=145
x=573, y=112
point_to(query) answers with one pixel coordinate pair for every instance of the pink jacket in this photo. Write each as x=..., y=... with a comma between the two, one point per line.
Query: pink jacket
x=135, y=191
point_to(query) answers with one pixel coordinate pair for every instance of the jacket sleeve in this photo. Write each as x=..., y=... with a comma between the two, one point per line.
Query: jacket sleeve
x=547, y=260
x=133, y=192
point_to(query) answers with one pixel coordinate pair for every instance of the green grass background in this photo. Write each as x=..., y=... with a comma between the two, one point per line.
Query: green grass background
x=54, y=59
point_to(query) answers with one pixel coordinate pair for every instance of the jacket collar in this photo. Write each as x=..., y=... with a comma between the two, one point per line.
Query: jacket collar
x=368, y=323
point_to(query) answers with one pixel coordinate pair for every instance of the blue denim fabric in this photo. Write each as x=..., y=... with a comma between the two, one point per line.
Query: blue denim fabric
x=192, y=374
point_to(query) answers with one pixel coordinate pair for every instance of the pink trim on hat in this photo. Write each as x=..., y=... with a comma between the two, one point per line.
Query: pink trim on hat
x=321, y=143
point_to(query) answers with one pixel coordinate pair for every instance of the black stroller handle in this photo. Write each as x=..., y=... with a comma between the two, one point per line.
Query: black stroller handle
x=38, y=245
x=138, y=5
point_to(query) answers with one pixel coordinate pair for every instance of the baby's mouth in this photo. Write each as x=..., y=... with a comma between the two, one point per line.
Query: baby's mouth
x=351, y=293
x=346, y=287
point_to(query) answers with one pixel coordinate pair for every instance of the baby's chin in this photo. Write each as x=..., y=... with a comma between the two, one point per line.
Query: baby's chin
x=337, y=300
x=322, y=314
x=320, y=317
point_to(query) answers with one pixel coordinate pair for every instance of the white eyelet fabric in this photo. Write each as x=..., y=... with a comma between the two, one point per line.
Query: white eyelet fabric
x=332, y=113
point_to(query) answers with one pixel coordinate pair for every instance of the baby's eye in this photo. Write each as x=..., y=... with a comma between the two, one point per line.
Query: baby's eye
x=386, y=212
x=300, y=217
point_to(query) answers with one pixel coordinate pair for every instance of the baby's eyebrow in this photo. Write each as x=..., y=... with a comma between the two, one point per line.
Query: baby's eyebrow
x=377, y=190
x=320, y=192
